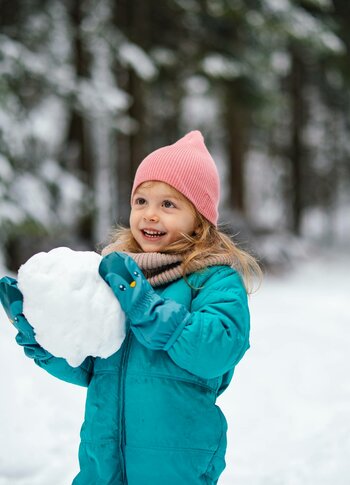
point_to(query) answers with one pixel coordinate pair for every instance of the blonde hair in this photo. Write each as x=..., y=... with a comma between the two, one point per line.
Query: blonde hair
x=206, y=241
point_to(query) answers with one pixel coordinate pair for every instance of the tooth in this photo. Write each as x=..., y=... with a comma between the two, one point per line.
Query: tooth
x=153, y=233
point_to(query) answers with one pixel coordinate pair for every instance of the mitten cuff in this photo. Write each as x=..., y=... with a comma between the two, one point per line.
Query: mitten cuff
x=144, y=305
x=158, y=323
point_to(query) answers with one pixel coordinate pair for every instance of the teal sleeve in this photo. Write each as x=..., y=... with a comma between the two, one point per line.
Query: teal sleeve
x=216, y=335
x=60, y=368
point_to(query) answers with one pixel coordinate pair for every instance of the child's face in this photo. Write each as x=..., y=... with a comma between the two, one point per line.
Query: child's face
x=159, y=209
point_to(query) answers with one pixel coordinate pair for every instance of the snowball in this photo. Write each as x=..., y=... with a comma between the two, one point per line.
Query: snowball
x=73, y=311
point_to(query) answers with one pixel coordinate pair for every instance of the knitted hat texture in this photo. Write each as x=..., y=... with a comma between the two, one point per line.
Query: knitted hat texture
x=188, y=167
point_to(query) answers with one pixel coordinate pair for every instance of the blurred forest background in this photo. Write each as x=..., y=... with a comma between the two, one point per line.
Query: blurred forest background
x=88, y=88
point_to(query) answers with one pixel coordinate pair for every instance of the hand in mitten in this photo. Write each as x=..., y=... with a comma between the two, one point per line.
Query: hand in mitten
x=129, y=285
x=11, y=298
x=155, y=321
x=12, y=301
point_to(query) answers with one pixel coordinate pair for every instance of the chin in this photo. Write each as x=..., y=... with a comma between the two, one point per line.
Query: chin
x=152, y=249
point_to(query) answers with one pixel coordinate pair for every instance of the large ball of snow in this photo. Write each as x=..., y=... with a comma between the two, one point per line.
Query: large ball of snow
x=73, y=311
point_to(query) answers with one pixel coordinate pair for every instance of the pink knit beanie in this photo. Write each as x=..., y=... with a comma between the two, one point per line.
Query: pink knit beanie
x=188, y=167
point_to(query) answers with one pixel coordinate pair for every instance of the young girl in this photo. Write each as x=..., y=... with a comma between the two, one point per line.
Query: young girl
x=151, y=417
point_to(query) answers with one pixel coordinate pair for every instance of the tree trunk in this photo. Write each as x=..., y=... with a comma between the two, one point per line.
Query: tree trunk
x=235, y=124
x=132, y=18
x=296, y=145
x=78, y=156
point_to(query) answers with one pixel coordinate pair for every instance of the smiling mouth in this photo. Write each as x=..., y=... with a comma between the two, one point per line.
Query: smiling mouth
x=152, y=234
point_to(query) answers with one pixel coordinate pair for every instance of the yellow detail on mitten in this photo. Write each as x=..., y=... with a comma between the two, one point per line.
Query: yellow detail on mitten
x=133, y=284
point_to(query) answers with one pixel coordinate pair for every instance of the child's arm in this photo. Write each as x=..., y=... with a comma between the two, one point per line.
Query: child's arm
x=216, y=335
x=208, y=341
x=12, y=301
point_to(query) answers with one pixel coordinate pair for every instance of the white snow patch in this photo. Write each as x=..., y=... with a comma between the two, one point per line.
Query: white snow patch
x=71, y=190
x=47, y=122
x=163, y=56
x=278, y=6
x=217, y=65
x=33, y=197
x=288, y=407
x=9, y=211
x=97, y=97
x=280, y=62
x=6, y=171
x=137, y=58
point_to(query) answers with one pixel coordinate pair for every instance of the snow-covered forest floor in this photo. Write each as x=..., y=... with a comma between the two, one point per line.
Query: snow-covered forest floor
x=288, y=407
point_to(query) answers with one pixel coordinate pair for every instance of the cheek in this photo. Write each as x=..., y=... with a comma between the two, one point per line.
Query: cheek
x=132, y=219
x=190, y=224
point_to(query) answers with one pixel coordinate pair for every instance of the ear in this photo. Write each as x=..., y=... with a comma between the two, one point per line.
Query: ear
x=196, y=229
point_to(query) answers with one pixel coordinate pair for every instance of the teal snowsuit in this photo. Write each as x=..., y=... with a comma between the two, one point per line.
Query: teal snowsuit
x=150, y=415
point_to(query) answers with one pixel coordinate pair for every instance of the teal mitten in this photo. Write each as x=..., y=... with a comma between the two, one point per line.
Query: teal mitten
x=12, y=301
x=155, y=321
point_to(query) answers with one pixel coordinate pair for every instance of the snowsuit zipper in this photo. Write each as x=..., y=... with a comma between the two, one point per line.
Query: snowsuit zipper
x=123, y=367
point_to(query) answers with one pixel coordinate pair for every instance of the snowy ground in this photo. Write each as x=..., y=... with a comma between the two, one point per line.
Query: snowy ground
x=288, y=406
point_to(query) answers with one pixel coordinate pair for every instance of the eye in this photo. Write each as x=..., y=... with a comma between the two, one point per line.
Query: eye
x=140, y=201
x=122, y=288
x=168, y=204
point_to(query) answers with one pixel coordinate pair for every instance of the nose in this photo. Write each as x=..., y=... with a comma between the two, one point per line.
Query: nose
x=150, y=215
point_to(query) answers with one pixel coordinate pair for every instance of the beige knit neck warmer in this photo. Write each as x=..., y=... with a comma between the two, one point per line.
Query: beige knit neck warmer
x=160, y=268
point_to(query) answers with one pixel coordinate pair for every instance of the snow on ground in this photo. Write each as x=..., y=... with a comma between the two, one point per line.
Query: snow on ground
x=288, y=407
x=39, y=419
